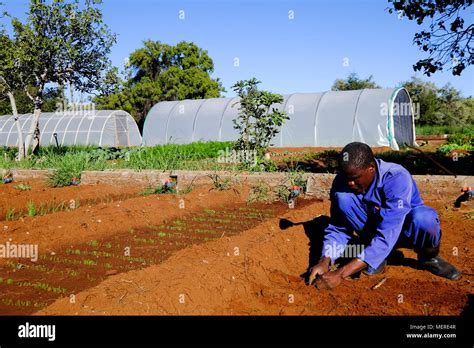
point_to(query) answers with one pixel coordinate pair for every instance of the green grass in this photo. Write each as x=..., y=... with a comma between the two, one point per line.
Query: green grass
x=436, y=130
x=155, y=191
x=458, y=142
x=32, y=210
x=40, y=210
x=71, y=166
x=174, y=156
x=23, y=187
x=66, y=162
x=10, y=216
x=69, y=161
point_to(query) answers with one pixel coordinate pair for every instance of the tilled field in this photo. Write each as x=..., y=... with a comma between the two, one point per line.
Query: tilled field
x=208, y=252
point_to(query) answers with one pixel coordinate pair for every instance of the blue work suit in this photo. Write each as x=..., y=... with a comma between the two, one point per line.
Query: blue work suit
x=393, y=206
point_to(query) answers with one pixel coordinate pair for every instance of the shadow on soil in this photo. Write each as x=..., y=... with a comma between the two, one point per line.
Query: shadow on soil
x=314, y=230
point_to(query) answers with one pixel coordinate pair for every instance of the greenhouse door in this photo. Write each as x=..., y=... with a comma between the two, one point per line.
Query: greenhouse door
x=122, y=133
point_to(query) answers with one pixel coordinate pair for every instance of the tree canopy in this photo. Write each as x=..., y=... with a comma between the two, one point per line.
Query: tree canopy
x=60, y=43
x=449, y=37
x=353, y=82
x=158, y=72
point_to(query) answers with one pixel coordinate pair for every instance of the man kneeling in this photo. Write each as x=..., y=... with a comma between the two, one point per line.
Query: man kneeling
x=379, y=201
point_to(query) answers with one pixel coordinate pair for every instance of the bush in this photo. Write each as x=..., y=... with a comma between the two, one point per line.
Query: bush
x=71, y=166
x=458, y=142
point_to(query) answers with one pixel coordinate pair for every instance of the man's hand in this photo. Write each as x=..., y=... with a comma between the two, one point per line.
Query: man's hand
x=321, y=268
x=329, y=280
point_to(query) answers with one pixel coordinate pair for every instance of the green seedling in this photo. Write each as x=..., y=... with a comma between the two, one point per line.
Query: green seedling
x=23, y=187
x=32, y=211
x=10, y=216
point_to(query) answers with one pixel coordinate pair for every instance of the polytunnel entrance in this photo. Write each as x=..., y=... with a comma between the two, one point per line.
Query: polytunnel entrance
x=403, y=122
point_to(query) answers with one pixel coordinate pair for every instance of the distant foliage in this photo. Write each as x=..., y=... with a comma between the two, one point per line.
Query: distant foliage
x=353, y=82
x=158, y=72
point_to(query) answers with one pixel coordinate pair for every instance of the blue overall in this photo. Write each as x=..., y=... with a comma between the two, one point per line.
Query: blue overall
x=391, y=205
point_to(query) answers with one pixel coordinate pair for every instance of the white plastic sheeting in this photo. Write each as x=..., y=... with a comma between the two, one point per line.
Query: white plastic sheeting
x=377, y=117
x=97, y=127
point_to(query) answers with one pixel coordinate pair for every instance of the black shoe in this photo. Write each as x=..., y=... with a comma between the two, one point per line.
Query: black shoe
x=439, y=267
x=371, y=271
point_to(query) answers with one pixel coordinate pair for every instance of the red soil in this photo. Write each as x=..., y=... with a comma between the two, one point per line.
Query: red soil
x=12, y=197
x=265, y=279
x=257, y=271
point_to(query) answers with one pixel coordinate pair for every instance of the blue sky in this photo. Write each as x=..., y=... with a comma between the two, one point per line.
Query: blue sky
x=303, y=54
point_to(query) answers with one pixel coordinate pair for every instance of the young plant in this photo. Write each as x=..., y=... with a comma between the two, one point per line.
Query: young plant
x=260, y=192
x=219, y=183
x=10, y=216
x=32, y=211
x=23, y=187
x=152, y=191
x=258, y=120
x=294, y=180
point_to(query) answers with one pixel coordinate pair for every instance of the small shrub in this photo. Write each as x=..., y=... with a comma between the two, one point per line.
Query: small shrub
x=32, y=211
x=219, y=183
x=260, y=192
x=10, y=216
x=23, y=187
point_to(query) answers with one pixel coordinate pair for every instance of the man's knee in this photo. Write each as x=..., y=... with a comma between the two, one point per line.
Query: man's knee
x=344, y=201
x=426, y=225
x=425, y=219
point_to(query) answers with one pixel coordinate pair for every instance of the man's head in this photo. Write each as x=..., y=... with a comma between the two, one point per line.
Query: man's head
x=357, y=164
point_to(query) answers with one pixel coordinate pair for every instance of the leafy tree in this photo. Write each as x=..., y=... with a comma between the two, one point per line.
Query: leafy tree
x=52, y=96
x=62, y=42
x=448, y=41
x=424, y=96
x=454, y=109
x=353, y=82
x=10, y=82
x=157, y=72
x=258, y=120
x=439, y=106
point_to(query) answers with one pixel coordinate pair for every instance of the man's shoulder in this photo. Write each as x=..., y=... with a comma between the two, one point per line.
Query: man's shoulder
x=389, y=171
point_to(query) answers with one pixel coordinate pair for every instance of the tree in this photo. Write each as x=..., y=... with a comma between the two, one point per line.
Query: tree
x=158, y=72
x=454, y=110
x=10, y=82
x=258, y=120
x=439, y=106
x=424, y=96
x=61, y=43
x=353, y=82
x=448, y=39
x=52, y=97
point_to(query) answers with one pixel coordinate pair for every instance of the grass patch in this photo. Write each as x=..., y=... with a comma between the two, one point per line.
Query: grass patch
x=437, y=130
x=10, y=216
x=458, y=142
x=71, y=167
x=23, y=187
x=31, y=208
